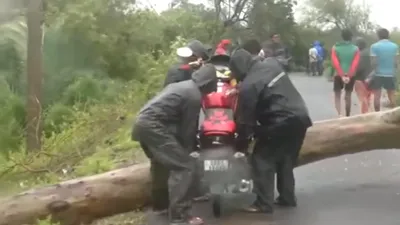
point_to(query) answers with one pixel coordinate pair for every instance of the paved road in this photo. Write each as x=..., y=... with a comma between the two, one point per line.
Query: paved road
x=360, y=189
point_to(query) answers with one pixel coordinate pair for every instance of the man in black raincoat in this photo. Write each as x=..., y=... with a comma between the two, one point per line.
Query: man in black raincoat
x=253, y=47
x=166, y=128
x=271, y=109
x=182, y=70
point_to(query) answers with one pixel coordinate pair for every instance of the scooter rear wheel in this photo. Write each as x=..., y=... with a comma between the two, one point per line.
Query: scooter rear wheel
x=217, y=206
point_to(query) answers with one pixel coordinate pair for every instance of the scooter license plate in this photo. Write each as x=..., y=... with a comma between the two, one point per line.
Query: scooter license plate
x=216, y=165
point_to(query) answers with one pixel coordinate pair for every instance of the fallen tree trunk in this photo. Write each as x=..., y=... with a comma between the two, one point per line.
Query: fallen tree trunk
x=83, y=200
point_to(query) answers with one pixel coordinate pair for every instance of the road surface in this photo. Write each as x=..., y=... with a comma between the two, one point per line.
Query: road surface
x=360, y=189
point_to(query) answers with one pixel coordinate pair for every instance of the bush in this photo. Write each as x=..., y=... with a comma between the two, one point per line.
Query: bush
x=91, y=137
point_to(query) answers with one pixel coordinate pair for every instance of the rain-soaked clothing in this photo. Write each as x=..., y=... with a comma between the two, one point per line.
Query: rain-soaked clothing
x=178, y=73
x=181, y=71
x=166, y=128
x=270, y=108
x=199, y=49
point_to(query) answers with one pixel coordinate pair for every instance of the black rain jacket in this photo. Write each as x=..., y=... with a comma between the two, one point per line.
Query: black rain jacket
x=175, y=110
x=268, y=102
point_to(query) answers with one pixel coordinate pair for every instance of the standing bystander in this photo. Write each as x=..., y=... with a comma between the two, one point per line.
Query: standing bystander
x=384, y=60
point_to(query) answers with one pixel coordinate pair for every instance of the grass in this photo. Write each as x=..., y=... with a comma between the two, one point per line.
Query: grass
x=130, y=218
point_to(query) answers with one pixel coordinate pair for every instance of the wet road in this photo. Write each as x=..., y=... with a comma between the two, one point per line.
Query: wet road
x=360, y=189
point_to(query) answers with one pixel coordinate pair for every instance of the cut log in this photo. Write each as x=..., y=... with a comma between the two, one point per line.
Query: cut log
x=84, y=200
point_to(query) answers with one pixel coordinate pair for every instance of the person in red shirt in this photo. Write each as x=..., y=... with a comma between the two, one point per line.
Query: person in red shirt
x=222, y=47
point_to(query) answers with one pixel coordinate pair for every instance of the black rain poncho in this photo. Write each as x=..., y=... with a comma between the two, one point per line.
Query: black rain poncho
x=166, y=129
x=267, y=96
x=269, y=106
x=172, y=115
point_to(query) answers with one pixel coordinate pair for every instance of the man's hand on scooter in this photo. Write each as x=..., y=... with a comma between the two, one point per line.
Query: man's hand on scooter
x=196, y=64
x=232, y=92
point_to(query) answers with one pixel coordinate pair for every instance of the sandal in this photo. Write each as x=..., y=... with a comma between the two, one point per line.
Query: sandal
x=196, y=221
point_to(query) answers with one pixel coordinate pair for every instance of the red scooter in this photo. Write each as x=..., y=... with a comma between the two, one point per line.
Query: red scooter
x=226, y=171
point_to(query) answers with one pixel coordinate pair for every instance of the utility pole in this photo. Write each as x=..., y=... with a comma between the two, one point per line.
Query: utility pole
x=35, y=19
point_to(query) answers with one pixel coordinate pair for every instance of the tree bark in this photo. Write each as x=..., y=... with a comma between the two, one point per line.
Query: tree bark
x=83, y=200
x=34, y=75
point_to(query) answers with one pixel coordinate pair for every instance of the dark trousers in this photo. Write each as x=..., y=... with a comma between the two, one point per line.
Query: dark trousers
x=276, y=155
x=159, y=191
x=320, y=67
x=314, y=68
x=159, y=186
x=172, y=173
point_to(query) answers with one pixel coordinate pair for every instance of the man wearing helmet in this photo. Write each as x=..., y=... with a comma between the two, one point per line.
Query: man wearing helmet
x=191, y=56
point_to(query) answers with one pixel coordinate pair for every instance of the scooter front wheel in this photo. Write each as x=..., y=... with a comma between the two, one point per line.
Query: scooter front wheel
x=217, y=206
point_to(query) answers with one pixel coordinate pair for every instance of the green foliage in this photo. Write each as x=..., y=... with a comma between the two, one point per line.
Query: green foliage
x=88, y=135
x=47, y=221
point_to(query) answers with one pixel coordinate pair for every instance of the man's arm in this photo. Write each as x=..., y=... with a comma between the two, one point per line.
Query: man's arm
x=174, y=75
x=373, y=55
x=354, y=63
x=170, y=100
x=246, y=115
x=336, y=62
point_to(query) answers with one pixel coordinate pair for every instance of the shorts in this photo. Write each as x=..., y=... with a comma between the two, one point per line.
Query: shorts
x=387, y=83
x=339, y=85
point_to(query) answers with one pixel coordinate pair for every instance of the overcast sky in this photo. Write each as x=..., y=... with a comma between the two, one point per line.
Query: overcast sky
x=384, y=12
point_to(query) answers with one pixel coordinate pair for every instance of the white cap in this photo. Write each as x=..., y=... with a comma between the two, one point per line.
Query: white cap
x=184, y=52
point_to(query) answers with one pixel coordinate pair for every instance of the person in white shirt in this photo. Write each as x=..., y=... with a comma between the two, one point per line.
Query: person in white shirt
x=313, y=60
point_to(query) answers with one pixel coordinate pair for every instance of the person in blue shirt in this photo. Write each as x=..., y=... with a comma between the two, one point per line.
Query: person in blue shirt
x=384, y=60
x=321, y=56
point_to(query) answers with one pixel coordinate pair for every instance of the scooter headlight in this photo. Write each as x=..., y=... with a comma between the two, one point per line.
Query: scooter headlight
x=246, y=186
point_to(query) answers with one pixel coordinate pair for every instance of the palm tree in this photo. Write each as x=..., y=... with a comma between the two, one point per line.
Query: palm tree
x=15, y=32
